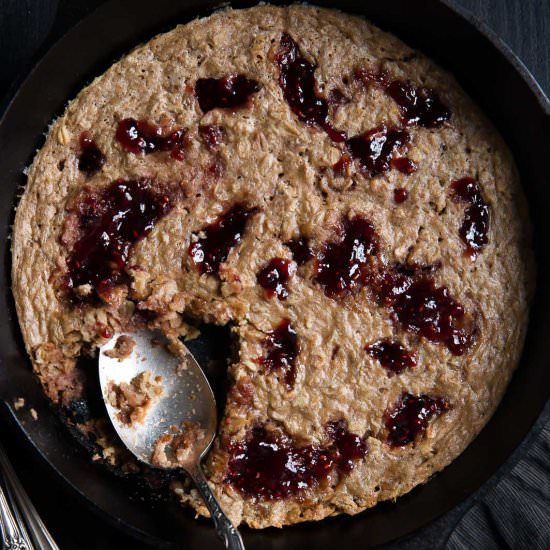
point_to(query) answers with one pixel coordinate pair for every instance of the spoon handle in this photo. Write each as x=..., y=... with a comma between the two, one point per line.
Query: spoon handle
x=224, y=528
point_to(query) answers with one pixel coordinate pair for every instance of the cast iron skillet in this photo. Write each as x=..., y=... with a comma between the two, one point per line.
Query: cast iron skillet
x=488, y=71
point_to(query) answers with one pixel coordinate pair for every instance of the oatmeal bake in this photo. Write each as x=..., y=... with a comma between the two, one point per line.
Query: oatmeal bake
x=133, y=399
x=330, y=195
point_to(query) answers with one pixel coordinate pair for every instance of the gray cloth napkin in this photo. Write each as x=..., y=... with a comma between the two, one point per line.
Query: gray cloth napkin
x=515, y=513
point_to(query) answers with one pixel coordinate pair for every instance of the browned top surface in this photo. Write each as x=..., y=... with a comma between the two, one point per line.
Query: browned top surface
x=276, y=163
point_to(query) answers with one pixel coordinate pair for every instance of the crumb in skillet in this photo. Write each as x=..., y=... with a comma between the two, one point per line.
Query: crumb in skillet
x=18, y=403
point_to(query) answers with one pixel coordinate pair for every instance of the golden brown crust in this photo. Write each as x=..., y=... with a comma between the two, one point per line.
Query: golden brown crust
x=274, y=162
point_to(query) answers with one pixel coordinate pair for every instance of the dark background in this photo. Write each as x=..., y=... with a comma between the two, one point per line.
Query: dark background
x=27, y=29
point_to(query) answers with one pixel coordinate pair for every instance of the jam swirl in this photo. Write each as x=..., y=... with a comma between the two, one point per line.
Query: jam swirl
x=408, y=419
x=392, y=356
x=227, y=92
x=143, y=137
x=212, y=249
x=375, y=149
x=111, y=223
x=344, y=265
x=297, y=81
x=423, y=308
x=301, y=251
x=269, y=465
x=418, y=105
x=475, y=225
x=274, y=276
x=90, y=158
x=282, y=349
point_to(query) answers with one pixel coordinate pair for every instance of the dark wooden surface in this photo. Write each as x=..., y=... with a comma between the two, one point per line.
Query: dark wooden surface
x=29, y=27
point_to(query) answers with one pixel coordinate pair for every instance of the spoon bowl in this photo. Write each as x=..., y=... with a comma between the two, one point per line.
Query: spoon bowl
x=186, y=399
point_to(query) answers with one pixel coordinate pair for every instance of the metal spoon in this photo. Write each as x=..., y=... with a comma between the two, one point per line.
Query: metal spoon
x=187, y=396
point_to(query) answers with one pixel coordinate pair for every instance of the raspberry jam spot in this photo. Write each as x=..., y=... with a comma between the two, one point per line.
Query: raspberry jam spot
x=404, y=165
x=219, y=238
x=343, y=266
x=475, y=226
x=408, y=420
x=301, y=252
x=297, y=81
x=423, y=308
x=142, y=137
x=374, y=150
x=228, y=92
x=212, y=135
x=270, y=466
x=90, y=158
x=348, y=447
x=103, y=330
x=274, y=276
x=341, y=166
x=418, y=105
x=400, y=195
x=111, y=223
x=392, y=356
x=281, y=351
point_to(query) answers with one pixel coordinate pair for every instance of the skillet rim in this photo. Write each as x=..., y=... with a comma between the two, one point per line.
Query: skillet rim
x=478, y=25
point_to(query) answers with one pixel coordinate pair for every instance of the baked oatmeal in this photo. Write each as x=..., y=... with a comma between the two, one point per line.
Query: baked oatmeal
x=327, y=192
x=134, y=399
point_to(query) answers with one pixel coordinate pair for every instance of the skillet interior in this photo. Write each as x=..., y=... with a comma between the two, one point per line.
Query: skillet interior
x=496, y=81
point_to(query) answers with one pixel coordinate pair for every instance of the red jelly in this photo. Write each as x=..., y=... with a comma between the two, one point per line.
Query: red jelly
x=297, y=80
x=111, y=222
x=212, y=135
x=341, y=166
x=410, y=416
x=343, y=266
x=228, y=92
x=142, y=137
x=220, y=237
x=392, y=356
x=418, y=105
x=425, y=309
x=281, y=351
x=90, y=159
x=374, y=150
x=348, y=447
x=475, y=226
x=400, y=195
x=404, y=165
x=301, y=252
x=270, y=466
x=274, y=276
